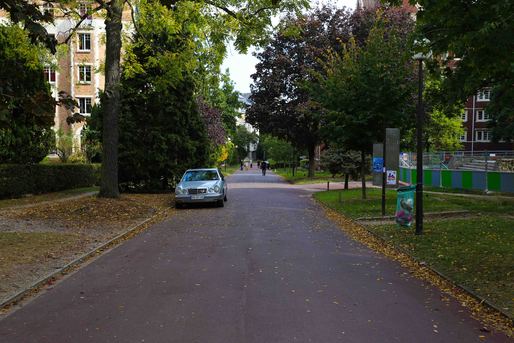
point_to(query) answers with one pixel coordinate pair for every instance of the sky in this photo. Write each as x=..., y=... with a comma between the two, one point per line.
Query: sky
x=242, y=66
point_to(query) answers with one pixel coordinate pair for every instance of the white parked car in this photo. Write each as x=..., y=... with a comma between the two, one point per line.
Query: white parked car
x=201, y=185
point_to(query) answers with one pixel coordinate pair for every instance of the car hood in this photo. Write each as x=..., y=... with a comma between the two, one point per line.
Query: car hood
x=198, y=184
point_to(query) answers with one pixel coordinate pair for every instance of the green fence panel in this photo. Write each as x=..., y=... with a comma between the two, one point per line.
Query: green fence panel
x=467, y=179
x=427, y=177
x=413, y=176
x=446, y=178
x=494, y=181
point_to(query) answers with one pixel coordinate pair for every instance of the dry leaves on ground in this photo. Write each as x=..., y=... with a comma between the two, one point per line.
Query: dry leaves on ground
x=479, y=311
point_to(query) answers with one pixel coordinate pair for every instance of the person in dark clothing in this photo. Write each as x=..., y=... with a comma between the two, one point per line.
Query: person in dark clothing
x=264, y=166
x=241, y=165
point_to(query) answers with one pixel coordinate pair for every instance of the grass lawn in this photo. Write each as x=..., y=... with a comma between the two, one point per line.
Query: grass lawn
x=353, y=206
x=301, y=177
x=476, y=252
x=46, y=197
x=229, y=169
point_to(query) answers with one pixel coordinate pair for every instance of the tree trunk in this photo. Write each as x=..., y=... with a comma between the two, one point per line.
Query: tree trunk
x=346, y=178
x=111, y=102
x=312, y=166
x=363, y=174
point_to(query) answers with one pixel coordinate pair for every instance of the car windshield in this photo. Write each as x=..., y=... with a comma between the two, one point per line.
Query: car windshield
x=200, y=175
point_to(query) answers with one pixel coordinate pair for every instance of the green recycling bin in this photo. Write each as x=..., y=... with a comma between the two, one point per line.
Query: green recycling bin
x=405, y=205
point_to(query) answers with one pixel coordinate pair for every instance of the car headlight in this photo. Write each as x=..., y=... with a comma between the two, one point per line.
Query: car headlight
x=180, y=190
x=217, y=189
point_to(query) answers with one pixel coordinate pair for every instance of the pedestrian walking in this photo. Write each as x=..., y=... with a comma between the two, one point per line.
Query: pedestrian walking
x=263, y=168
x=241, y=165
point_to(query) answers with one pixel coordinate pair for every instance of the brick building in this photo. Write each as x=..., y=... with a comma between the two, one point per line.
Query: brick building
x=78, y=66
x=475, y=121
x=477, y=136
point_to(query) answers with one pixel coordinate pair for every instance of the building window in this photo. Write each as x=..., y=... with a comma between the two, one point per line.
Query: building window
x=483, y=136
x=464, y=116
x=85, y=73
x=84, y=106
x=84, y=41
x=464, y=137
x=484, y=95
x=85, y=9
x=482, y=115
x=49, y=73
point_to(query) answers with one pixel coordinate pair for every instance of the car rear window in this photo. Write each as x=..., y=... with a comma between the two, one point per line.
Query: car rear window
x=201, y=175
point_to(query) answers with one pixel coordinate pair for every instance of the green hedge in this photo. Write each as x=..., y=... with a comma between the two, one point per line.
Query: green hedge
x=17, y=180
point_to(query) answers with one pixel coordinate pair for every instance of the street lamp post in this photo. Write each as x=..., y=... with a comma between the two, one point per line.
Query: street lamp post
x=419, y=145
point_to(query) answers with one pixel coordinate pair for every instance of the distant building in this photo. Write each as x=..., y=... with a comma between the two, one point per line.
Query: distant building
x=244, y=98
x=475, y=119
x=78, y=70
x=477, y=136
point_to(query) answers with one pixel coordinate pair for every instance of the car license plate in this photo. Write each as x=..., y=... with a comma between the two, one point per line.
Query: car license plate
x=197, y=197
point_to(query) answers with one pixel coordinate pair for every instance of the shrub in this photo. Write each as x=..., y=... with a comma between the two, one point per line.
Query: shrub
x=17, y=179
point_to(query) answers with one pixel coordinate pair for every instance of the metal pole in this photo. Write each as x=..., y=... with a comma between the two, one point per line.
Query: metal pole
x=384, y=176
x=419, y=164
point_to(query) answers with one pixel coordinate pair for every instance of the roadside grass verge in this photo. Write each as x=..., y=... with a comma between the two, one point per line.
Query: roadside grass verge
x=28, y=200
x=300, y=176
x=477, y=254
x=229, y=170
x=353, y=206
x=475, y=250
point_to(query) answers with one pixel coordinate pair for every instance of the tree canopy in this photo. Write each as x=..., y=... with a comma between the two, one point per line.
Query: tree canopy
x=281, y=105
x=367, y=89
x=27, y=108
x=473, y=40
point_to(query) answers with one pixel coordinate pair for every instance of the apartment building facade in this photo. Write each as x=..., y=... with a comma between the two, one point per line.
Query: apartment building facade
x=475, y=121
x=78, y=66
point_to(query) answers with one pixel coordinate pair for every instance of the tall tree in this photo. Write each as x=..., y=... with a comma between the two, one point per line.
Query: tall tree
x=161, y=127
x=247, y=20
x=367, y=89
x=26, y=104
x=474, y=41
x=280, y=103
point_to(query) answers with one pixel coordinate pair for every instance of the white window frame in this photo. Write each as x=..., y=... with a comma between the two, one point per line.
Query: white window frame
x=464, y=116
x=84, y=81
x=484, y=95
x=464, y=136
x=82, y=35
x=483, y=135
x=485, y=116
x=49, y=70
x=85, y=99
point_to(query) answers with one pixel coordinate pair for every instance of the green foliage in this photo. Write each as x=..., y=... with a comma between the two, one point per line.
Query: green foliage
x=161, y=130
x=32, y=17
x=340, y=161
x=275, y=149
x=280, y=103
x=485, y=52
x=64, y=145
x=17, y=180
x=367, y=89
x=242, y=139
x=501, y=108
x=26, y=105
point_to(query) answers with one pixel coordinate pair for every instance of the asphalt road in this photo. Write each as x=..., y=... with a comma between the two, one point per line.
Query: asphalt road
x=266, y=268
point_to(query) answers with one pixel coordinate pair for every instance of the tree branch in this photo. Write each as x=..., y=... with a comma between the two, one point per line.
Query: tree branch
x=82, y=18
